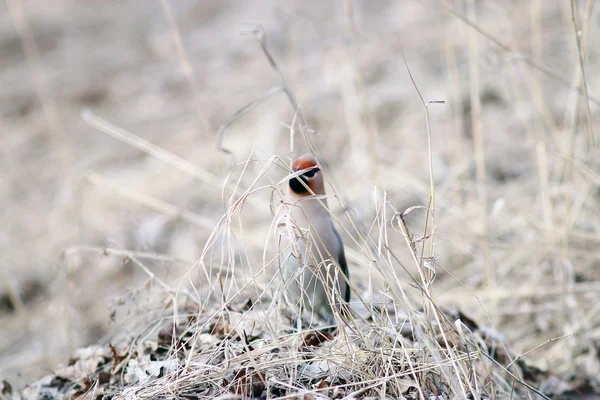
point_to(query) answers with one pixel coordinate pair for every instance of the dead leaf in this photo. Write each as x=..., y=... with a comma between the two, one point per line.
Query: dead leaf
x=249, y=382
x=315, y=338
x=117, y=359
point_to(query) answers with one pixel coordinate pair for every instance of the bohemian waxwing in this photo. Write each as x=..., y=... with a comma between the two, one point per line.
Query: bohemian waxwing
x=312, y=252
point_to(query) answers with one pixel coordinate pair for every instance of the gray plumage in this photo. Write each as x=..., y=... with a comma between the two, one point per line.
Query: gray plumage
x=312, y=259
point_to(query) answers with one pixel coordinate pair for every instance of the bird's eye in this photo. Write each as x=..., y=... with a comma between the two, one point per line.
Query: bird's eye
x=311, y=173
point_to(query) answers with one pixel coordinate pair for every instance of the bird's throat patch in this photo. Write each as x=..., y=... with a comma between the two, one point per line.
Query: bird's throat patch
x=297, y=186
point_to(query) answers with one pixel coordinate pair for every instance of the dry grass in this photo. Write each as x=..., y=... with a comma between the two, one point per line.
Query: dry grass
x=460, y=149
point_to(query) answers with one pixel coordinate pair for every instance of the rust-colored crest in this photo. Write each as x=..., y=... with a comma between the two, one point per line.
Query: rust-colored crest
x=303, y=162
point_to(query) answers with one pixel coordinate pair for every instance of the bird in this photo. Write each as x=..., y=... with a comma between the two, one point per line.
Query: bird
x=312, y=258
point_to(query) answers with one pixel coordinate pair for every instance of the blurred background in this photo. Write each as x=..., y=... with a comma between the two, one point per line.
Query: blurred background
x=108, y=145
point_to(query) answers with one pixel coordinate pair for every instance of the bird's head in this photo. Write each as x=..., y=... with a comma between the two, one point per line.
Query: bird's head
x=312, y=177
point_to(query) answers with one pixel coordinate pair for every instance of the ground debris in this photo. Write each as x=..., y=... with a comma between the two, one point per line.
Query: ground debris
x=214, y=355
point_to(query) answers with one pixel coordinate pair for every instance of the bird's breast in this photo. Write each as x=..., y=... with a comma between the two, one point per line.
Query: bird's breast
x=308, y=232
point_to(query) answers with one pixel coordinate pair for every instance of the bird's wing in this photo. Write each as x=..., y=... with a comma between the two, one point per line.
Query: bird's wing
x=341, y=258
